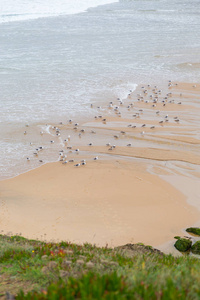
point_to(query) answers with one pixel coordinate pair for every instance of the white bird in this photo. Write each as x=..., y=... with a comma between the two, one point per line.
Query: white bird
x=96, y=158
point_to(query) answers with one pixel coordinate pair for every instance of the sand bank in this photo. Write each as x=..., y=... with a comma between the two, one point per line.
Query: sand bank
x=119, y=198
x=104, y=202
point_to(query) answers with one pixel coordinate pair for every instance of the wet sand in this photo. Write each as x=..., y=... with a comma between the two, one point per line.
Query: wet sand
x=132, y=192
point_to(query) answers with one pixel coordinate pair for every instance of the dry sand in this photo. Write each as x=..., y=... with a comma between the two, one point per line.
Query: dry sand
x=120, y=198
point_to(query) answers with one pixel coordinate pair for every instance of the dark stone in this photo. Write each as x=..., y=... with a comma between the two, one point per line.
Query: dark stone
x=196, y=248
x=183, y=245
x=194, y=230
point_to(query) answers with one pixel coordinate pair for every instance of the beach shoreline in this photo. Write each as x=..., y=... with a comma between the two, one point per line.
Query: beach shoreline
x=122, y=196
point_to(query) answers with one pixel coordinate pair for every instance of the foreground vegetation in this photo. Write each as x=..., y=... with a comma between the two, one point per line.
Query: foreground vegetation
x=37, y=270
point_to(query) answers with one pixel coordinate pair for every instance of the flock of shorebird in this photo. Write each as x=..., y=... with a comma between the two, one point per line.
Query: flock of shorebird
x=148, y=95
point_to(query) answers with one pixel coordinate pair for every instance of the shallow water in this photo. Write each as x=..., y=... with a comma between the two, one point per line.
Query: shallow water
x=53, y=68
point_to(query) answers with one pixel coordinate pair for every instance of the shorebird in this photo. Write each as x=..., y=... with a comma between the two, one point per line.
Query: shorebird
x=77, y=150
x=83, y=163
x=71, y=160
x=65, y=162
x=129, y=145
x=51, y=142
x=77, y=165
x=96, y=158
x=28, y=159
x=90, y=144
x=92, y=131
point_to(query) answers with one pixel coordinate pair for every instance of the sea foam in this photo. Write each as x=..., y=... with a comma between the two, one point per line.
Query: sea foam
x=19, y=10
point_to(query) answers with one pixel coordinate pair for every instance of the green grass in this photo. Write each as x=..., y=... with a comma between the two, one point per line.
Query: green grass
x=132, y=272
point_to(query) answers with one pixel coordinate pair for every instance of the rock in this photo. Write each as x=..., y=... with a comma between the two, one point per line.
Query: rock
x=9, y=296
x=138, y=248
x=68, y=252
x=66, y=263
x=196, y=248
x=81, y=256
x=45, y=270
x=194, y=230
x=52, y=265
x=113, y=263
x=80, y=262
x=44, y=257
x=63, y=273
x=103, y=261
x=90, y=265
x=183, y=245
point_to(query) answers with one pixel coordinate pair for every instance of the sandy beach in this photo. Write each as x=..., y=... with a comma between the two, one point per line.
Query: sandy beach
x=129, y=175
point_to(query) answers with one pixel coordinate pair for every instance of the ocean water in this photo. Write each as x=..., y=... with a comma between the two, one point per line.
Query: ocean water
x=58, y=57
